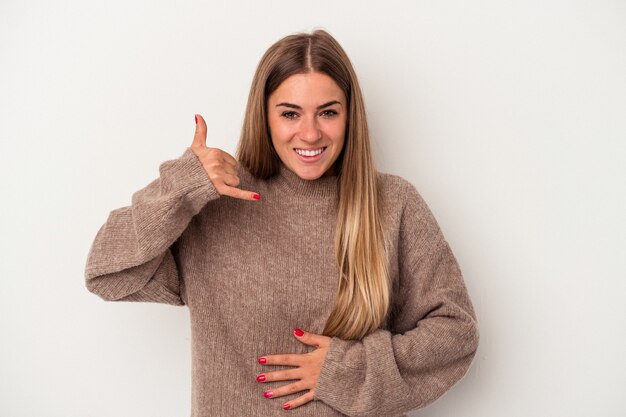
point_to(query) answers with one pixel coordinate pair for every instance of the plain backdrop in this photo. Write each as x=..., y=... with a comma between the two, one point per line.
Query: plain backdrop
x=508, y=116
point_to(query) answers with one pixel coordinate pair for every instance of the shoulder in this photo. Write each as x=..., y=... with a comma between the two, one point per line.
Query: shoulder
x=245, y=174
x=401, y=200
x=393, y=182
x=247, y=179
x=397, y=191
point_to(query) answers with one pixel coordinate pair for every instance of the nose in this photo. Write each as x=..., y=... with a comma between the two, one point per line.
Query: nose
x=309, y=130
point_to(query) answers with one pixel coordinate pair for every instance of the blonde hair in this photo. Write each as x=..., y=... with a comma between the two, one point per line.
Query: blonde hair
x=363, y=294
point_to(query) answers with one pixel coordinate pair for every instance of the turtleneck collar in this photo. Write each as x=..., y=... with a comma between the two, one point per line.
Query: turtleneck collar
x=290, y=181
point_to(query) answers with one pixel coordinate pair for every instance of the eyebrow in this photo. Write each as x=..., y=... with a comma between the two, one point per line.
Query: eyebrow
x=295, y=106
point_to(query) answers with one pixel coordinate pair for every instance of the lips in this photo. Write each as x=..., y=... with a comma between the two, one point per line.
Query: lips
x=310, y=152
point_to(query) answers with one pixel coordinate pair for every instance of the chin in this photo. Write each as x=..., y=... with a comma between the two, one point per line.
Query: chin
x=310, y=174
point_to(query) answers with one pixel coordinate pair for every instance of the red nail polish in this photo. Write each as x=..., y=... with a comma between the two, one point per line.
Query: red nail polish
x=298, y=332
x=260, y=378
x=196, y=117
x=262, y=360
x=256, y=196
x=268, y=394
x=286, y=406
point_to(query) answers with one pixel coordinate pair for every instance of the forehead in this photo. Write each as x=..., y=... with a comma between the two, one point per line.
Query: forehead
x=309, y=88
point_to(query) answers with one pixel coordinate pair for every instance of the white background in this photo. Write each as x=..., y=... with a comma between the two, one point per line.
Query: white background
x=509, y=117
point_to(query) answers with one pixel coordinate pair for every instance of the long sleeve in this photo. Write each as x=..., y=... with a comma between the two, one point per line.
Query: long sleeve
x=432, y=337
x=133, y=256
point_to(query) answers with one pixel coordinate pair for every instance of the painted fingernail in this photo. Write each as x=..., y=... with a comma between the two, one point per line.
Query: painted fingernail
x=256, y=196
x=298, y=332
x=196, y=117
x=268, y=394
x=262, y=360
x=260, y=378
x=286, y=406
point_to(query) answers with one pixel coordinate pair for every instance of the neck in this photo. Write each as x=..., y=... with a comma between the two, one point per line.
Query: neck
x=325, y=186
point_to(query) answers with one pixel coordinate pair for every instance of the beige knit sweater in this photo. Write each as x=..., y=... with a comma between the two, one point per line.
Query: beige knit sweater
x=252, y=271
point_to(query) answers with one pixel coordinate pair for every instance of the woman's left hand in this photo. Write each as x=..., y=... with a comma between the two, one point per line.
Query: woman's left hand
x=308, y=367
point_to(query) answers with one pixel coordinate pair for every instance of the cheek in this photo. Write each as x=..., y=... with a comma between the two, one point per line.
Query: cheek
x=279, y=131
x=339, y=131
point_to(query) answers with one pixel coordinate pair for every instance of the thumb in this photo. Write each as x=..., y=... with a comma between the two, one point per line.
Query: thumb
x=312, y=339
x=199, y=138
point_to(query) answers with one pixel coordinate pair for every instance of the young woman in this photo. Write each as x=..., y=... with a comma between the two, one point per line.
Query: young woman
x=298, y=232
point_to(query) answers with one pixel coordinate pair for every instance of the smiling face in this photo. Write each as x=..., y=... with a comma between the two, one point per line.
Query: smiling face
x=306, y=115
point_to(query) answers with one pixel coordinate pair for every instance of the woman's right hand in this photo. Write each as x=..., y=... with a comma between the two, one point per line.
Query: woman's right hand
x=219, y=165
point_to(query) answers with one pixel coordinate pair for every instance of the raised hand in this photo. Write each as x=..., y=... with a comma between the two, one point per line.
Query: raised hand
x=307, y=371
x=219, y=165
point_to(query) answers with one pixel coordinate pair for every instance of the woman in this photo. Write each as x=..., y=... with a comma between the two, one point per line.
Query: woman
x=299, y=232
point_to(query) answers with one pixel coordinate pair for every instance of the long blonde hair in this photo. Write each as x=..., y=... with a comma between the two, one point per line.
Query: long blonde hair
x=363, y=294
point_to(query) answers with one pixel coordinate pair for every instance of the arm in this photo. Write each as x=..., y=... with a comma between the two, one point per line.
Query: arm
x=433, y=336
x=133, y=256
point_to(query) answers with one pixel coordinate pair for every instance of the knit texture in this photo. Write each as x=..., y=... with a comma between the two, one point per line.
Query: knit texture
x=252, y=271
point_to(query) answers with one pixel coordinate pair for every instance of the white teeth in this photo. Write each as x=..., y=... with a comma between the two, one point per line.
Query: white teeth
x=310, y=153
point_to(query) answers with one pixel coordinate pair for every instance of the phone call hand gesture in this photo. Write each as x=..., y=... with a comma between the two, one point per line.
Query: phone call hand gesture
x=219, y=165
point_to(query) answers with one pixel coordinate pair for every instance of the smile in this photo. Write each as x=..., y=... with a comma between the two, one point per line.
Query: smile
x=310, y=152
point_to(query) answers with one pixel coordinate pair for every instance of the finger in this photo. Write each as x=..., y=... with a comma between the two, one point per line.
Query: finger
x=199, y=138
x=229, y=159
x=282, y=375
x=301, y=400
x=229, y=169
x=293, y=359
x=231, y=180
x=224, y=158
x=220, y=173
x=237, y=193
x=312, y=339
x=285, y=390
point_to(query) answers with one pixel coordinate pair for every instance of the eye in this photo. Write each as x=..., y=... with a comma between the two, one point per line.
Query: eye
x=329, y=113
x=290, y=115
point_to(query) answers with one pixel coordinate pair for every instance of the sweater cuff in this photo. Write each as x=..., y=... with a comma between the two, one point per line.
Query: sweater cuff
x=192, y=178
x=332, y=370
